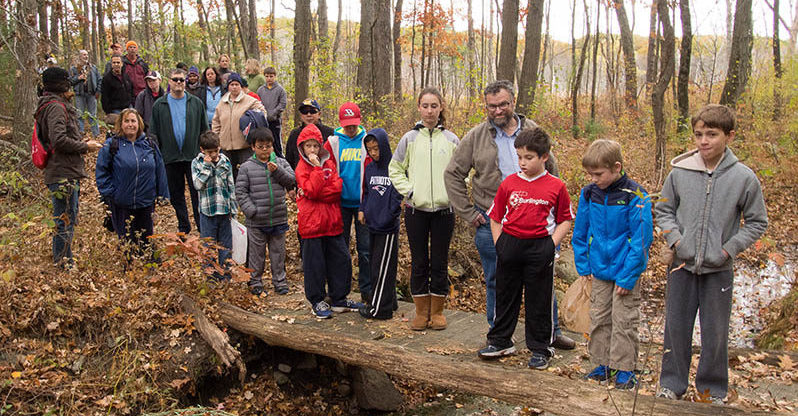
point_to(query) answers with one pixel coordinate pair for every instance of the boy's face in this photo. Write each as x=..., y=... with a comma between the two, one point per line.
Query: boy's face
x=270, y=79
x=213, y=154
x=350, y=131
x=263, y=150
x=311, y=147
x=531, y=164
x=604, y=176
x=711, y=142
x=373, y=149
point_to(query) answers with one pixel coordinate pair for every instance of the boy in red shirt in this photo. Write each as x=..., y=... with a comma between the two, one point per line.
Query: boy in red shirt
x=530, y=215
x=325, y=254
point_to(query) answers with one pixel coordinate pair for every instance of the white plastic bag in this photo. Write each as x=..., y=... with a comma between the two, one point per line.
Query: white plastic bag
x=239, y=241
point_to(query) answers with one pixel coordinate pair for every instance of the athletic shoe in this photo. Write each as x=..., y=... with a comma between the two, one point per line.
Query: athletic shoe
x=493, y=352
x=717, y=400
x=538, y=361
x=256, y=290
x=667, y=393
x=367, y=312
x=283, y=290
x=625, y=380
x=600, y=373
x=346, y=305
x=322, y=310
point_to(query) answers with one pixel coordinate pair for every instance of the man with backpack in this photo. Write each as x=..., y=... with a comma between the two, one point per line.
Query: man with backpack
x=57, y=130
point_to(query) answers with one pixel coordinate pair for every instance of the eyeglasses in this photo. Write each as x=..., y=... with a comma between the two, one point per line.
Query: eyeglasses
x=262, y=146
x=307, y=111
x=501, y=106
x=178, y=80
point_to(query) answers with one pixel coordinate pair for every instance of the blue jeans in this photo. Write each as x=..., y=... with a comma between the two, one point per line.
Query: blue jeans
x=362, y=244
x=87, y=103
x=218, y=228
x=483, y=239
x=65, y=196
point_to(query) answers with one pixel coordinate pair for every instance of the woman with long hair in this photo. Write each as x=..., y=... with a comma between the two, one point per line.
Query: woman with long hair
x=210, y=91
x=416, y=171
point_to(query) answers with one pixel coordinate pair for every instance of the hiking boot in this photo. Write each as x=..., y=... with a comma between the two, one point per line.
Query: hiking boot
x=492, y=352
x=346, y=305
x=562, y=342
x=538, y=361
x=600, y=373
x=322, y=310
x=666, y=393
x=436, y=319
x=421, y=320
x=625, y=380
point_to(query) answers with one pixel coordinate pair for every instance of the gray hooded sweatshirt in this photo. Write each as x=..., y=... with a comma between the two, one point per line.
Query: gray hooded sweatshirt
x=703, y=208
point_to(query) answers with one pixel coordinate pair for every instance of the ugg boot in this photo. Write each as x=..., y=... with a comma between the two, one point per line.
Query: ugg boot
x=419, y=323
x=437, y=320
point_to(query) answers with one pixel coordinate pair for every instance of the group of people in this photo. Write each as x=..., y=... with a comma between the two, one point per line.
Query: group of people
x=502, y=178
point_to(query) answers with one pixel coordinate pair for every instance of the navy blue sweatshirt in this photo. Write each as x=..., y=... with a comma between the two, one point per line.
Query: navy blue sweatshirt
x=381, y=204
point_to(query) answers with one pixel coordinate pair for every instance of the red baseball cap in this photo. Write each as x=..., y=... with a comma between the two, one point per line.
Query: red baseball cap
x=349, y=114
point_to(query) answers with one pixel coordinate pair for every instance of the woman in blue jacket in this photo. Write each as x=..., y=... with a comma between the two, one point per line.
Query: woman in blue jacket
x=130, y=176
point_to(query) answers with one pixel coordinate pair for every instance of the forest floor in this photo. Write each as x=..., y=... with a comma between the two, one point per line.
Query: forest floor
x=111, y=339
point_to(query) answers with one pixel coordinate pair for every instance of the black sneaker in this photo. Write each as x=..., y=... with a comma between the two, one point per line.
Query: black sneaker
x=256, y=290
x=367, y=312
x=492, y=352
x=538, y=361
x=281, y=290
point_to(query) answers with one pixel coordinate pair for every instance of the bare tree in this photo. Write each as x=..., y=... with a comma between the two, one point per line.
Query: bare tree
x=26, y=75
x=509, y=41
x=471, y=49
x=374, y=52
x=667, y=65
x=595, y=63
x=254, y=48
x=685, y=56
x=651, y=54
x=397, y=50
x=147, y=25
x=130, y=33
x=528, y=79
x=577, y=80
x=337, y=31
x=739, y=69
x=628, y=46
x=101, y=31
x=273, y=37
x=55, y=12
x=302, y=20
x=777, y=70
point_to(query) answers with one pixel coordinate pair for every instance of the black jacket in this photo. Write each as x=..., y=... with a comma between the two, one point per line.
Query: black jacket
x=291, y=152
x=117, y=94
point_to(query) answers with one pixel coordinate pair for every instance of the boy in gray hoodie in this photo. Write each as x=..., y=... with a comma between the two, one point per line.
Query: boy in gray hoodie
x=704, y=197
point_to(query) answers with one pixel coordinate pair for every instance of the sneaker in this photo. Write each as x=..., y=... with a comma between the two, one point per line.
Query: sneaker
x=256, y=290
x=562, y=342
x=492, y=352
x=625, y=380
x=322, y=310
x=538, y=361
x=600, y=373
x=281, y=290
x=666, y=393
x=346, y=305
x=717, y=400
x=367, y=312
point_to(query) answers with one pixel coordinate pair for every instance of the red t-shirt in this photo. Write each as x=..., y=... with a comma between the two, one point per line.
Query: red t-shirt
x=531, y=208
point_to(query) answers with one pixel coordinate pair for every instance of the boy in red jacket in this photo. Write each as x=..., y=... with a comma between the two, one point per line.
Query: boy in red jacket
x=325, y=255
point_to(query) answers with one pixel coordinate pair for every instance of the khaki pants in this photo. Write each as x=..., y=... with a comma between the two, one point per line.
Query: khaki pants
x=614, y=340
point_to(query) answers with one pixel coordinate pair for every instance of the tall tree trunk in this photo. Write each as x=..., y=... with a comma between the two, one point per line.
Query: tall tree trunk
x=337, y=31
x=471, y=50
x=42, y=10
x=651, y=54
x=130, y=33
x=254, y=47
x=302, y=20
x=147, y=25
x=630, y=64
x=777, y=70
x=431, y=39
x=424, y=42
x=595, y=64
x=101, y=39
x=273, y=38
x=739, y=69
x=667, y=66
x=413, y=48
x=685, y=55
x=509, y=42
x=204, y=32
x=25, y=77
x=55, y=12
x=374, y=52
x=546, y=44
x=528, y=79
x=397, y=50
x=243, y=24
x=577, y=81
x=114, y=37
x=85, y=27
x=94, y=52
x=324, y=26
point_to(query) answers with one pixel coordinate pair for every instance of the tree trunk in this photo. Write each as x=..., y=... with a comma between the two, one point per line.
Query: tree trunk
x=528, y=79
x=254, y=47
x=595, y=64
x=101, y=39
x=739, y=69
x=397, y=51
x=374, y=52
x=273, y=39
x=324, y=26
x=667, y=65
x=424, y=42
x=413, y=49
x=242, y=22
x=651, y=54
x=685, y=55
x=337, y=31
x=546, y=44
x=630, y=64
x=42, y=10
x=85, y=28
x=95, y=37
x=509, y=42
x=26, y=76
x=777, y=70
x=130, y=32
x=55, y=12
x=302, y=20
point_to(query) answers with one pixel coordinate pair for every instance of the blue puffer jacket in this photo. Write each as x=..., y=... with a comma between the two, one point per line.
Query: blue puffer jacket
x=613, y=232
x=135, y=176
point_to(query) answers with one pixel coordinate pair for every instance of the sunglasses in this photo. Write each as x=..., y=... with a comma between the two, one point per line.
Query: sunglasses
x=308, y=111
x=178, y=80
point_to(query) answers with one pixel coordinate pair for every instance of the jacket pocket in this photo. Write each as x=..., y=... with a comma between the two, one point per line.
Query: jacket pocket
x=686, y=248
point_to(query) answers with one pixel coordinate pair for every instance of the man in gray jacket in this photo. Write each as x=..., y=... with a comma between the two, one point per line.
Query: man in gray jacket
x=274, y=100
x=489, y=149
x=703, y=199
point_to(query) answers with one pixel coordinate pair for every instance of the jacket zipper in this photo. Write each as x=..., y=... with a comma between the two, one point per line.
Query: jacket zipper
x=271, y=200
x=136, y=189
x=700, y=249
x=431, y=183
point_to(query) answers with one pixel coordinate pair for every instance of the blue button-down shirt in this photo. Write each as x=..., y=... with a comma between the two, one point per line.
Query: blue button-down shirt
x=508, y=158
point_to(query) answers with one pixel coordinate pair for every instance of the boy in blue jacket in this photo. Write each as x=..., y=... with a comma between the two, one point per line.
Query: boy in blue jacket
x=380, y=207
x=611, y=238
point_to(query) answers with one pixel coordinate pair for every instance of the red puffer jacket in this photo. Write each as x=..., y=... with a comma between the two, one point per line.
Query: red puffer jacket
x=319, y=194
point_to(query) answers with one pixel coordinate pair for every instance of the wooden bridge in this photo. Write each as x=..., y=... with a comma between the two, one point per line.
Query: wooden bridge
x=448, y=359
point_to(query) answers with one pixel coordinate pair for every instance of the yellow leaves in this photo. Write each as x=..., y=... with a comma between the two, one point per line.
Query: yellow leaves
x=786, y=363
x=16, y=374
x=778, y=258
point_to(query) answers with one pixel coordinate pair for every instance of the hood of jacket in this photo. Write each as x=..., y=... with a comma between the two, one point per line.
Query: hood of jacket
x=692, y=160
x=385, y=147
x=311, y=132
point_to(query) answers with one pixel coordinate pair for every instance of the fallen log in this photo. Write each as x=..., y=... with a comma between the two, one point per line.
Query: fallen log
x=540, y=389
x=215, y=337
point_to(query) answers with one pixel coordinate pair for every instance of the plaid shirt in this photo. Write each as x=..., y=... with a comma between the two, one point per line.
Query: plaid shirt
x=215, y=186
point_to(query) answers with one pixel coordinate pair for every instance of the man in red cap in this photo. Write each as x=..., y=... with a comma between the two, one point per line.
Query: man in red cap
x=349, y=153
x=135, y=68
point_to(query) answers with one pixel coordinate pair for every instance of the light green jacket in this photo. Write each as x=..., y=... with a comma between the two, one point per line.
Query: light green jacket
x=417, y=166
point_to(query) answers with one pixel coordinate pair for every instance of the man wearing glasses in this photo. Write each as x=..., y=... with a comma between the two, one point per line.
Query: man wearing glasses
x=310, y=113
x=489, y=149
x=177, y=121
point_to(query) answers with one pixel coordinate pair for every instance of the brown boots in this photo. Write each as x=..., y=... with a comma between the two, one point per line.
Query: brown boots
x=429, y=313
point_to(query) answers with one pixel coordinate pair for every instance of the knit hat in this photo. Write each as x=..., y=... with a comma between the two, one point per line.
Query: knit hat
x=349, y=114
x=234, y=77
x=131, y=42
x=193, y=70
x=56, y=80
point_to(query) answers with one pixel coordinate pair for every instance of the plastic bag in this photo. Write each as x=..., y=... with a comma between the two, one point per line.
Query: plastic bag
x=576, y=306
x=239, y=241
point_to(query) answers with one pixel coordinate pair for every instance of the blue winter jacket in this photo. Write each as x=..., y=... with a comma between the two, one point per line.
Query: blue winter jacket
x=135, y=176
x=381, y=203
x=613, y=232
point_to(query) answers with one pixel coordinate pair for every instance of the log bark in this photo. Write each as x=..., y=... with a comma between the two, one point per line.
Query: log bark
x=216, y=338
x=540, y=389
